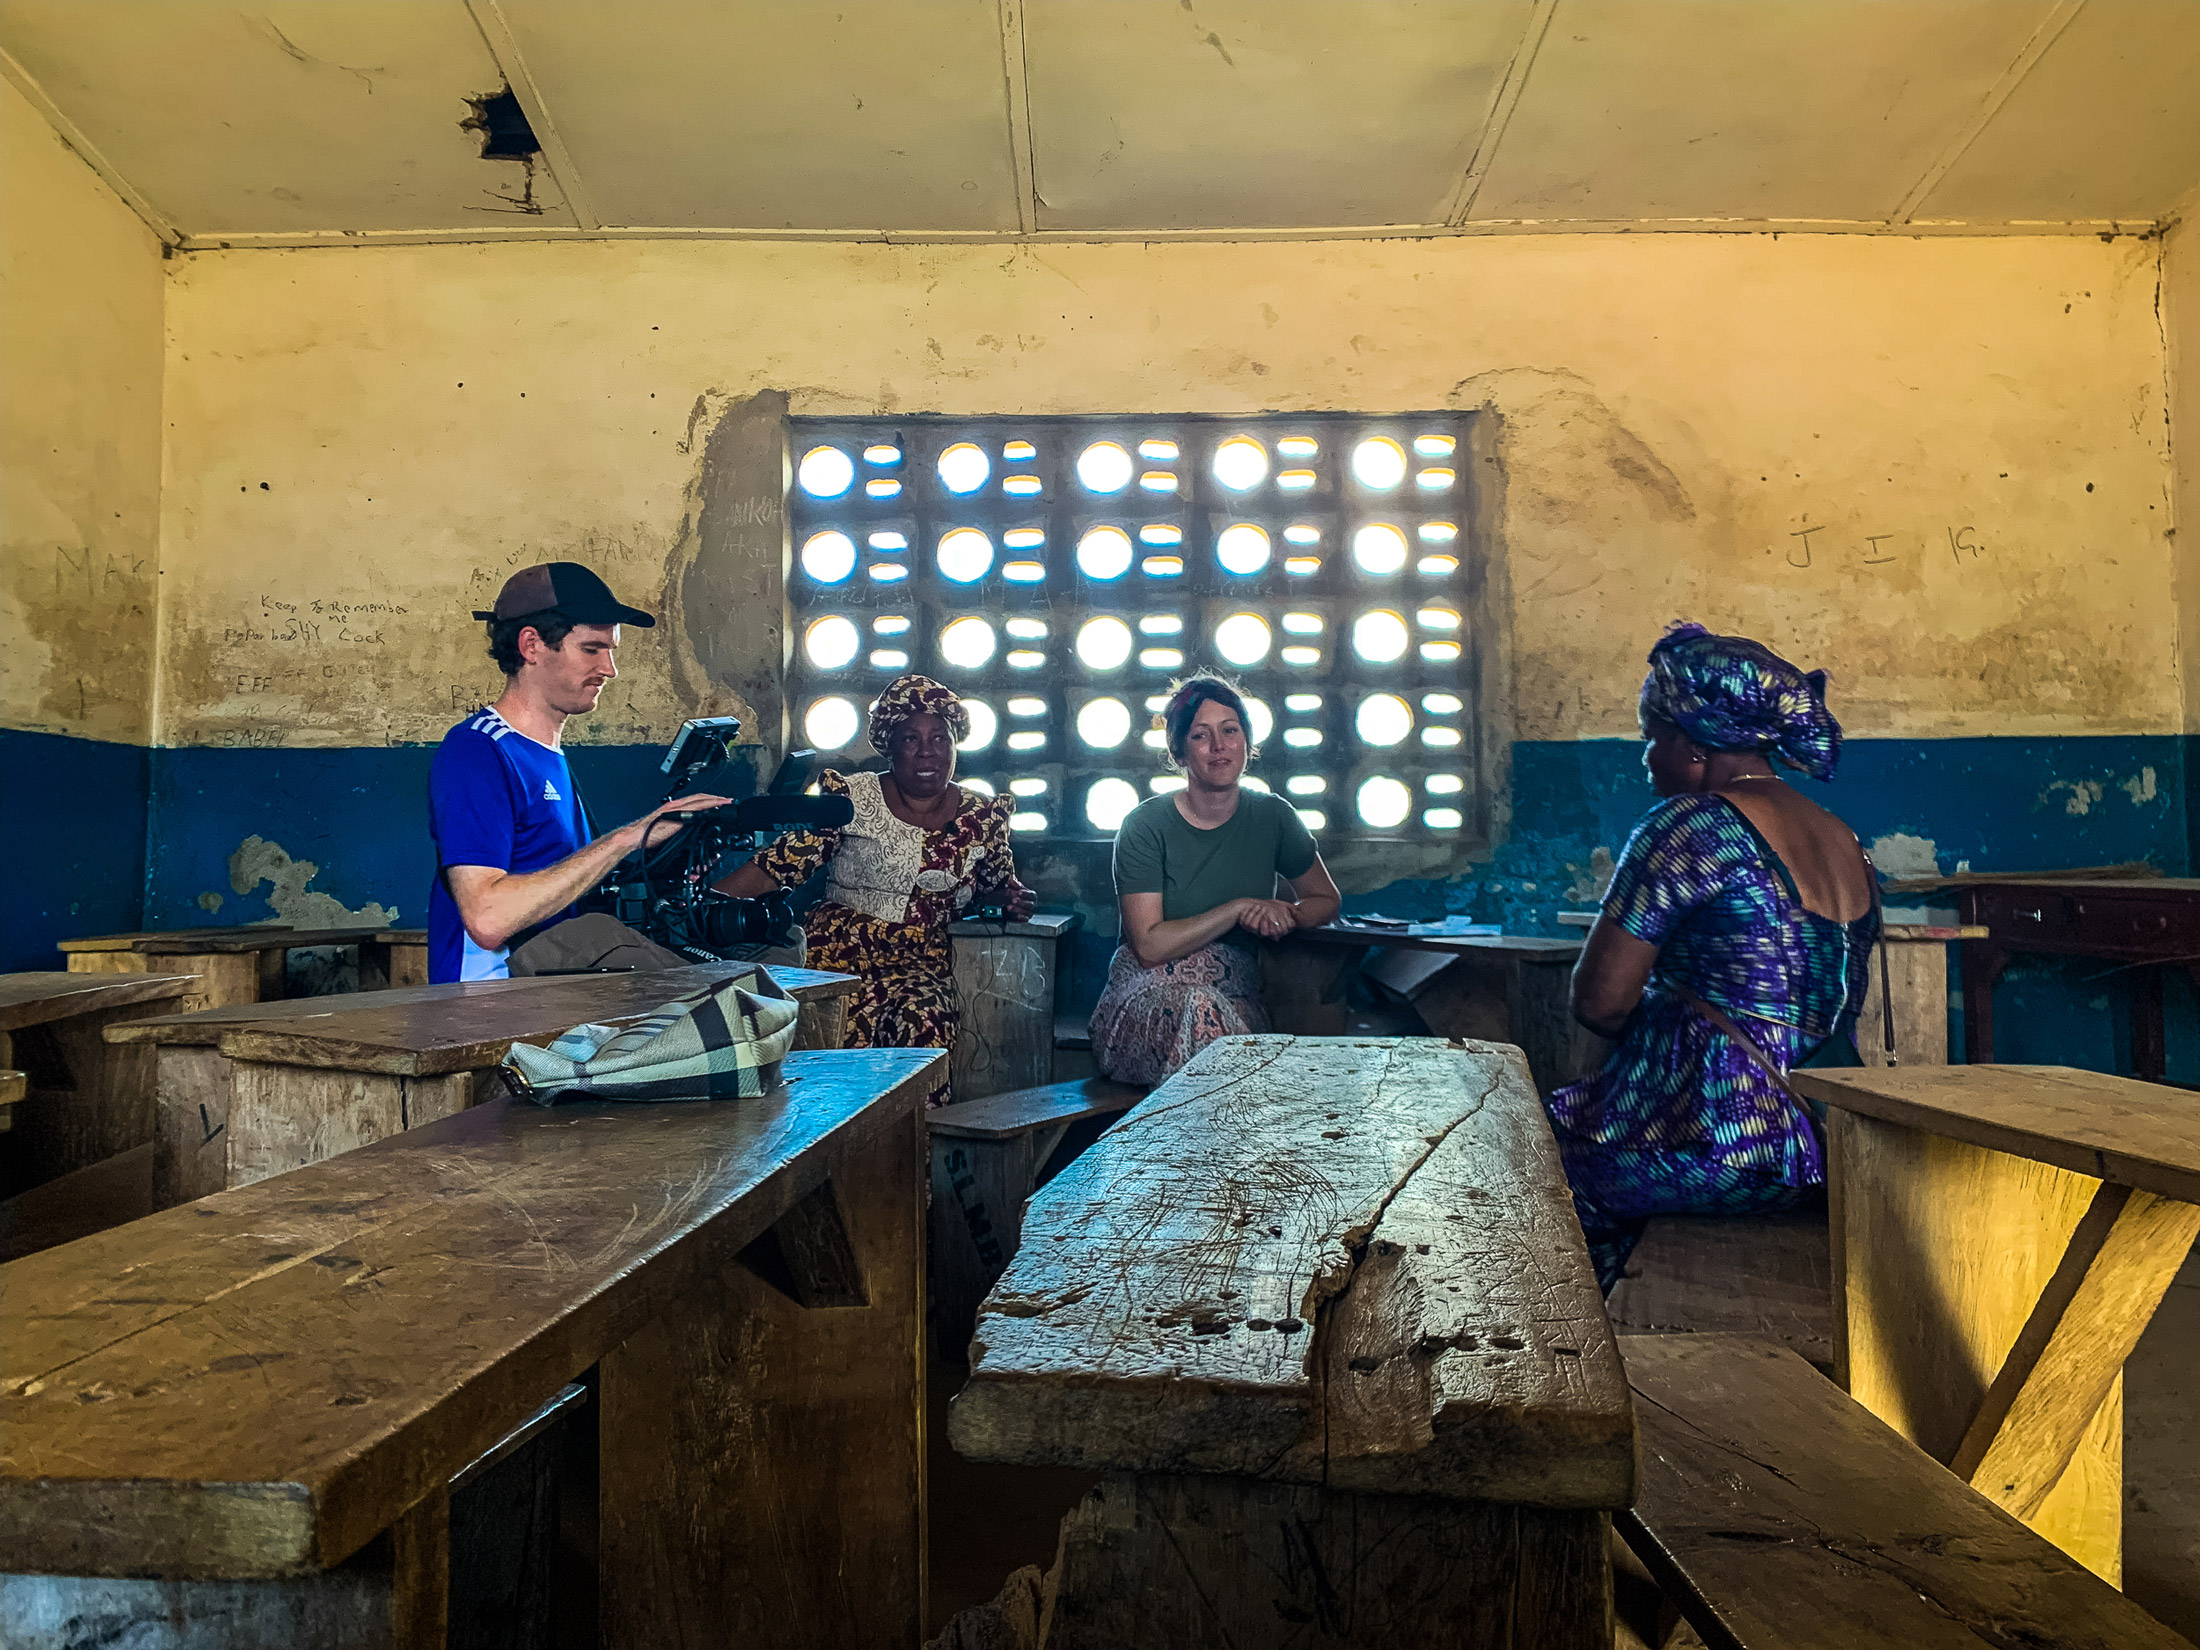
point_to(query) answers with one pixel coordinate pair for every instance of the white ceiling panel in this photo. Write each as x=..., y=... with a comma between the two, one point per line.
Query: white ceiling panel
x=294, y=115
x=1746, y=108
x=1173, y=114
x=779, y=114
x=2107, y=124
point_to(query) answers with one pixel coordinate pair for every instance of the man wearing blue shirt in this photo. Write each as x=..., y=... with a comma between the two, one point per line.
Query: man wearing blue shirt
x=514, y=848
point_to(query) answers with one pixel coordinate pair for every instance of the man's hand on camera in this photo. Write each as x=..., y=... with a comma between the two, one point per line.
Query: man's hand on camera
x=653, y=829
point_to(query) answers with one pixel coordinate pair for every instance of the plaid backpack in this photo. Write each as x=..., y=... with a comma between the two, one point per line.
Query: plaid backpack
x=722, y=1042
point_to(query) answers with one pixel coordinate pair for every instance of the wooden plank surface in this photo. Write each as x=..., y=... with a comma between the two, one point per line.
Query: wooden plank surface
x=2113, y=1128
x=258, y=1382
x=39, y=997
x=1040, y=925
x=1001, y=1115
x=1530, y=946
x=1790, y=1516
x=227, y=941
x=438, y=1036
x=207, y=1027
x=92, y=943
x=1349, y=1261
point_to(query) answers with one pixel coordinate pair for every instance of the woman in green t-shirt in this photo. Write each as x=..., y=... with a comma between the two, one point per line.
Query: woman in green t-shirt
x=1195, y=877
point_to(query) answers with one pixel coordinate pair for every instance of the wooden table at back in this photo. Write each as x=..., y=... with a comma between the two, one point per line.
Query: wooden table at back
x=2001, y=1237
x=257, y=1089
x=1320, y=1311
x=82, y=1101
x=247, y=963
x=236, y=1424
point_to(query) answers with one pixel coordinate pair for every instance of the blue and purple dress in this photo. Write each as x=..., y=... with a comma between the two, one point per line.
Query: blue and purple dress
x=1681, y=1119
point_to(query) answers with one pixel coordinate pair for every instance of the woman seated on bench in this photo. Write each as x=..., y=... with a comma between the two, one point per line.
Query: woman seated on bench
x=918, y=850
x=1733, y=946
x=1195, y=876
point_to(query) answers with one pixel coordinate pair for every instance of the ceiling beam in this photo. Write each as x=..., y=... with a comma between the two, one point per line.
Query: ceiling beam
x=496, y=34
x=2051, y=26
x=1501, y=113
x=1019, y=115
x=88, y=151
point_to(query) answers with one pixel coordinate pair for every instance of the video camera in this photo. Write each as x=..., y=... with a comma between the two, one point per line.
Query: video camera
x=665, y=893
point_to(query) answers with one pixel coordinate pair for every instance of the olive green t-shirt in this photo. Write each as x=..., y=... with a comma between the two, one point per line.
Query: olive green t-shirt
x=1159, y=851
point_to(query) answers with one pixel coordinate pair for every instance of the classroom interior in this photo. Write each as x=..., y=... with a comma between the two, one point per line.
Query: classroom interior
x=1868, y=330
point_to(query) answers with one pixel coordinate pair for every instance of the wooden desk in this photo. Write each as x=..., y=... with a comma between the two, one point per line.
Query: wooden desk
x=2001, y=1236
x=392, y=958
x=244, y=964
x=1321, y=1311
x=2150, y=923
x=81, y=1101
x=276, y=1386
x=259, y=1089
x=1005, y=975
x=1501, y=988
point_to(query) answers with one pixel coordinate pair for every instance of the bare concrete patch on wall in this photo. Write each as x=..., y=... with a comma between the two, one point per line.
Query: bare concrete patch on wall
x=258, y=860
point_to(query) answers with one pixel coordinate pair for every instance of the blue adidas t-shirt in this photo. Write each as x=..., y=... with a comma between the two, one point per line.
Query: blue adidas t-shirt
x=495, y=798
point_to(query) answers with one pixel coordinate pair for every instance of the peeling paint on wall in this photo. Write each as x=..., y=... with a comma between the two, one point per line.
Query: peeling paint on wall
x=1590, y=882
x=1898, y=855
x=257, y=860
x=2083, y=794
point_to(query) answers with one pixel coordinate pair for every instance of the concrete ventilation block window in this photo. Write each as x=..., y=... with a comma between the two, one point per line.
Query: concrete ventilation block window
x=1058, y=572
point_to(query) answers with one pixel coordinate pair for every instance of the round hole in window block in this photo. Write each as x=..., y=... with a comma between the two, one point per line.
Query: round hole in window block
x=965, y=554
x=1242, y=548
x=1103, y=644
x=1027, y=822
x=1023, y=486
x=825, y=472
x=1435, y=480
x=831, y=642
x=1241, y=463
x=881, y=489
x=1108, y=802
x=1104, y=553
x=1379, y=548
x=1383, y=719
x=1104, y=723
x=1024, y=572
x=828, y=557
x=1434, y=446
x=1028, y=787
x=1443, y=737
x=881, y=453
x=1306, y=784
x=1027, y=707
x=1104, y=467
x=1444, y=784
x=1029, y=739
x=1260, y=721
x=1437, y=653
x=967, y=644
x=1442, y=704
x=1379, y=637
x=1438, y=566
x=1437, y=618
x=889, y=658
x=1242, y=639
x=1384, y=802
x=830, y=724
x=1298, y=446
x=1379, y=463
x=1443, y=819
x=1017, y=451
x=964, y=467
x=983, y=725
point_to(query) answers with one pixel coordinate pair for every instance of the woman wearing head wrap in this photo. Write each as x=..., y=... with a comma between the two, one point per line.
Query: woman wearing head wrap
x=1732, y=946
x=919, y=848
x=1195, y=876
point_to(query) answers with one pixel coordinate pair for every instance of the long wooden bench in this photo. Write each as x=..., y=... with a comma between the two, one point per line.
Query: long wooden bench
x=81, y=1101
x=257, y=1089
x=244, y=963
x=236, y=1422
x=1776, y=1511
x=988, y=1156
x=1320, y=1312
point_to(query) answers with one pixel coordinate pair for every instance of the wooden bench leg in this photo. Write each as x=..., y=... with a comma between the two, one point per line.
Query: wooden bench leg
x=1197, y=1561
x=822, y=1024
x=190, y=1124
x=1947, y=1257
x=391, y=1596
x=1303, y=986
x=85, y=1099
x=762, y=1461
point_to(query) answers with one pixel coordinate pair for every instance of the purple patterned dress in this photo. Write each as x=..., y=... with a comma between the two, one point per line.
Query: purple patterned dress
x=1681, y=1120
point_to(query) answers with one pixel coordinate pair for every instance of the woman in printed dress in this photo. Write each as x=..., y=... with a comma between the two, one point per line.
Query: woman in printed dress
x=1195, y=879
x=918, y=850
x=1733, y=946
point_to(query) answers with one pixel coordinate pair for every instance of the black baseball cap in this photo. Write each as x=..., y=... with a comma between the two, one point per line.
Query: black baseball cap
x=567, y=589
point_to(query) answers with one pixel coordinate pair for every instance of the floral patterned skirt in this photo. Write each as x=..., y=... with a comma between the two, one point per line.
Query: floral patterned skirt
x=1150, y=1021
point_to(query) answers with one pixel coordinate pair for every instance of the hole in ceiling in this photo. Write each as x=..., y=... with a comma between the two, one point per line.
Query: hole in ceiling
x=502, y=123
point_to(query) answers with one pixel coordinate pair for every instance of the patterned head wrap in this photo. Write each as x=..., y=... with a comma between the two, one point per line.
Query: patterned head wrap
x=911, y=695
x=1730, y=693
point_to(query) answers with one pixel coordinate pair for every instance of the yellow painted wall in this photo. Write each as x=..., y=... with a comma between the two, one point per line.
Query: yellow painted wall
x=81, y=293
x=2181, y=328
x=1936, y=467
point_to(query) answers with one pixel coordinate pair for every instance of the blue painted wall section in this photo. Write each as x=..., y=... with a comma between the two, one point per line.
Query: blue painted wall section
x=72, y=839
x=75, y=827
